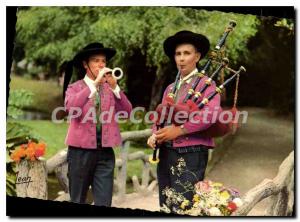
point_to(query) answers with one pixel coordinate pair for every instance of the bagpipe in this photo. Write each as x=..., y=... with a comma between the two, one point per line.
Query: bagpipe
x=168, y=109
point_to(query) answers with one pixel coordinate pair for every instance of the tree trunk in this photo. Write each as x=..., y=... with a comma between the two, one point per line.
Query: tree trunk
x=32, y=179
x=157, y=88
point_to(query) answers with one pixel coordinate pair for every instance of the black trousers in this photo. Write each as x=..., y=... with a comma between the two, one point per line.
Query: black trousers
x=196, y=161
x=87, y=167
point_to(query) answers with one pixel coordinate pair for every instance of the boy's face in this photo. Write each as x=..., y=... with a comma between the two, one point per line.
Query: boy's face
x=94, y=65
x=186, y=58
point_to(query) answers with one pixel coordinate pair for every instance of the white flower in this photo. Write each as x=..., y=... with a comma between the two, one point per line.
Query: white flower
x=214, y=212
x=165, y=209
x=194, y=211
x=201, y=204
x=238, y=202
x=172, y=170
x=169, y=192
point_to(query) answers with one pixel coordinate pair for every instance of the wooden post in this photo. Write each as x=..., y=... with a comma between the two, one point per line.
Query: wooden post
x=122, y=175
x=61, y=173
x=146, y=174
x=144, y=188
x=32, y=179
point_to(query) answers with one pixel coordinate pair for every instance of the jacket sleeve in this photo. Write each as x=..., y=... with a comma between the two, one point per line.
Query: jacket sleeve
x=76, y=98
x=203, y=119
x=122, y=103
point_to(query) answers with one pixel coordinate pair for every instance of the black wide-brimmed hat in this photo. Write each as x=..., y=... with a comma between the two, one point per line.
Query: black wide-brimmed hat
x=92, y=49
x=89, y=50
x=200, y=42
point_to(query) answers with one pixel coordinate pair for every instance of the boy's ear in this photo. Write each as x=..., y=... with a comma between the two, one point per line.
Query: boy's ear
x=84, y=63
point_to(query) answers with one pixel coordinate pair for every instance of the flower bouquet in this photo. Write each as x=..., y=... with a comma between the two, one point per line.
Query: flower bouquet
x=213, y=199
x=210, y=199
x=31, y=151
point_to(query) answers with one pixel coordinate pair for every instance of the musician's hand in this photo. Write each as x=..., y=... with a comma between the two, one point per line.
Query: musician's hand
x=100, y=79
x=151, y=141
x=168, y=133
x=111, y=80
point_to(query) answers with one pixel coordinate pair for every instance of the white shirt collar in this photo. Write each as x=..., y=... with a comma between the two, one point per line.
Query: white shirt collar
x=88, y=81
x=188, y=78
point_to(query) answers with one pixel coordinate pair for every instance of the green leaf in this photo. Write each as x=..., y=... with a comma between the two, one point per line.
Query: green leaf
x=11, y=184
x=8, y=159
x=17, y=134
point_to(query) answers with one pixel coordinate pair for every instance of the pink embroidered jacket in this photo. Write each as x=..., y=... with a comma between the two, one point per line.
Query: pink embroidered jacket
x=83, y=133
x=193, y=137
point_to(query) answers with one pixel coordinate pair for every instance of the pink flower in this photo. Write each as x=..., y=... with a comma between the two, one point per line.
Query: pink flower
x=203, y=186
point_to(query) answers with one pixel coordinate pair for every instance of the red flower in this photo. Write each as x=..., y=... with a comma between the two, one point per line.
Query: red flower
x=231, y=206
x=39, y=152
x=40, y=149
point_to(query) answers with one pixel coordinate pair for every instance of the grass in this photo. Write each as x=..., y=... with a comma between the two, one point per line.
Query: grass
x=47, y=94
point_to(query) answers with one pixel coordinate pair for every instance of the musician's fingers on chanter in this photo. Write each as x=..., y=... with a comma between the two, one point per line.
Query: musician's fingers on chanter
x=151, y=142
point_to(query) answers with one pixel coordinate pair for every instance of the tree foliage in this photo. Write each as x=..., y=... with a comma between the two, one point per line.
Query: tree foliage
x=51, y=35
x=18, y=99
